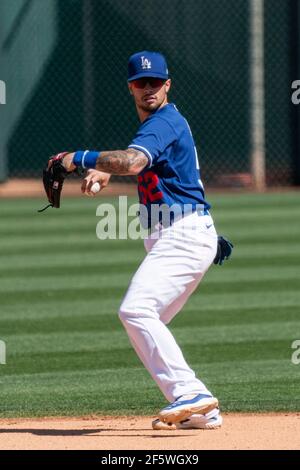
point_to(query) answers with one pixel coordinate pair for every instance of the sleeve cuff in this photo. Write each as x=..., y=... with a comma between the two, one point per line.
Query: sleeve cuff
x=144, y=150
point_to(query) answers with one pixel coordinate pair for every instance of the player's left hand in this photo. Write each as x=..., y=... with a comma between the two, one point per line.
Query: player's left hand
x=65, y=159
x=53, y=179
x=224, y=250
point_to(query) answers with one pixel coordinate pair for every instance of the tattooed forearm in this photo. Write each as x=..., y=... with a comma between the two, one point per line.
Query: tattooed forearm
x=122, y=162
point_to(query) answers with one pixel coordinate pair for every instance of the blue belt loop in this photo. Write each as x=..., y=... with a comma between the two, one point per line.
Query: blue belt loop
x=203, y=212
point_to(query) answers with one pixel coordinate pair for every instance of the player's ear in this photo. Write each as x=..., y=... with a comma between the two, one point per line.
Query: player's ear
x=168, y=85
x=129, y=88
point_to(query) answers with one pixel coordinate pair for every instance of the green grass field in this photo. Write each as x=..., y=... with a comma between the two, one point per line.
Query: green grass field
x=67, y=352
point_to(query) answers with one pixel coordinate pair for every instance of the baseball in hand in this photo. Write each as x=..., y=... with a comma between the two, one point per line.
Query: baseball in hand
x=95, y=188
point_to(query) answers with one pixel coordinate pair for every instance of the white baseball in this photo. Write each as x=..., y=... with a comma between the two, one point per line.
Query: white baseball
x=95, y=187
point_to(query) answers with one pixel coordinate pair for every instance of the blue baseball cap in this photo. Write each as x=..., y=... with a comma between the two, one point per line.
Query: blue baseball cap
x=147, y=64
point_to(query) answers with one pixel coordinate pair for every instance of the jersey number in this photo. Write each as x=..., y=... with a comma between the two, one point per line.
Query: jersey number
x=147, y=186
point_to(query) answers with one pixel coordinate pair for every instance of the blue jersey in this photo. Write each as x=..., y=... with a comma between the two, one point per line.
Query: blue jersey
x=172, y=176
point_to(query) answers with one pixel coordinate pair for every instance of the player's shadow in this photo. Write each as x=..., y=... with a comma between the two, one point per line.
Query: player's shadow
x=88, y=432
x=53, y=432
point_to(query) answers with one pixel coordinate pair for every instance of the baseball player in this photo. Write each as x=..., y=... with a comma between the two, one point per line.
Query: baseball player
x=180, y=249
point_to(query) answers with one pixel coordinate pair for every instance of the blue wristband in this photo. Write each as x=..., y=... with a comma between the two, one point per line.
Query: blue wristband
x=86, y=159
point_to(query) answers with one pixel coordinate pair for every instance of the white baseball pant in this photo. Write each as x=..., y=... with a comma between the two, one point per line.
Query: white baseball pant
x=174, y=266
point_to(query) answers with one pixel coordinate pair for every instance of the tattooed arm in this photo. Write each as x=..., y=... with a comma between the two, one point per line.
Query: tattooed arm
x=122, y=162
x=115, y=162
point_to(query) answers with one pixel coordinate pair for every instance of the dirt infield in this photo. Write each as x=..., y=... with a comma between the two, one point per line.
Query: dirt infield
x=239, y=431
x=16, y=188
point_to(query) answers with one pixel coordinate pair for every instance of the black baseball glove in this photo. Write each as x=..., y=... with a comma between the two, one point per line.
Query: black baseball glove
x=53, y=179
x=224, y=250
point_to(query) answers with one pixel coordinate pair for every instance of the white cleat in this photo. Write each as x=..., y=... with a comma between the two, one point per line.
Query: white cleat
x=187, y=405
x=211, y=420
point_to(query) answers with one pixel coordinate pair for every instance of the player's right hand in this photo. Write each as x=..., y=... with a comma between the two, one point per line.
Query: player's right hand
x=92, y=177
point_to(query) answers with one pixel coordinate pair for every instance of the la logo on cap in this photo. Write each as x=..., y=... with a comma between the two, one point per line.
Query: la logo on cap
x=146, y=64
